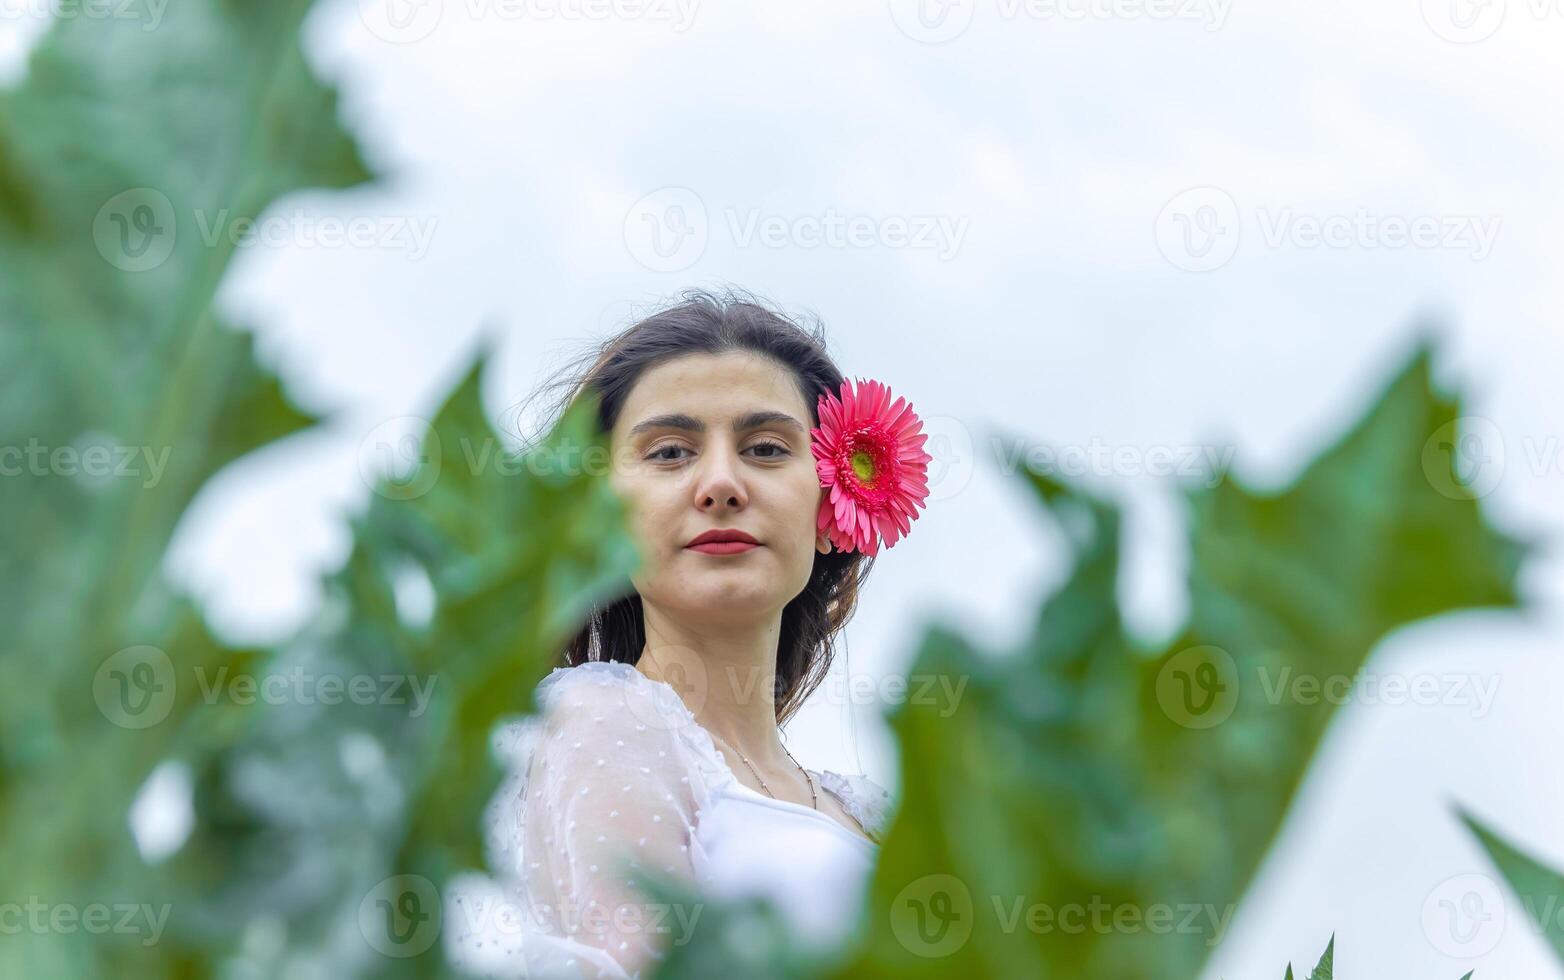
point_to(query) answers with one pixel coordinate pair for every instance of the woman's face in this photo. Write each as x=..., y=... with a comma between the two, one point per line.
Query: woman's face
x=708, y=441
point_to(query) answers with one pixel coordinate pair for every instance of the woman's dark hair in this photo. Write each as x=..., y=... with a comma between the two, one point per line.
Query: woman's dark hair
x=702, y=322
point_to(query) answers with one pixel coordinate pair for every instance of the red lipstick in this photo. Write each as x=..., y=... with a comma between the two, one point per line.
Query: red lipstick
x=722, y=541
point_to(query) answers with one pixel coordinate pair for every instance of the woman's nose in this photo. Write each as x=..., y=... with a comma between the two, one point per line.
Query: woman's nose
x=719, y=486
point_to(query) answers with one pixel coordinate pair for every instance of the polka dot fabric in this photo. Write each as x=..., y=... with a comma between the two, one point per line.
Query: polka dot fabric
x=612, y=775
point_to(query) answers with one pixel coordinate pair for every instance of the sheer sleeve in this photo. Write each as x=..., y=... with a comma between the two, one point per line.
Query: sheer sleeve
x=865, y=800
x=617, y=779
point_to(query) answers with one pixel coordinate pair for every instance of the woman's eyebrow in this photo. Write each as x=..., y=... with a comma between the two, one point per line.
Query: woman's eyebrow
x=749, y=420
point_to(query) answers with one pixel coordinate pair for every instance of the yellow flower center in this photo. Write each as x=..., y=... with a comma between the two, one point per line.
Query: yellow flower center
x=863, y=467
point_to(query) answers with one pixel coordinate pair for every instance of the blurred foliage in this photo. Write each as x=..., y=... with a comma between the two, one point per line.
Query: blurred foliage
x=1080, y=768
x=115, y=150
x=215, y=110
x=1077, y=769
x=314, y=815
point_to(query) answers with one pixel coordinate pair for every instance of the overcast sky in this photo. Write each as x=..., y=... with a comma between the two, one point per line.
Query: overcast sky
x=1139, y=225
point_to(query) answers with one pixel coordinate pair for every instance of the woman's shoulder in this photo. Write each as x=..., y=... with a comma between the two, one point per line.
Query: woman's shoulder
x=613, y=693
x=596, y=680
x=612, y=704
x=865, y=800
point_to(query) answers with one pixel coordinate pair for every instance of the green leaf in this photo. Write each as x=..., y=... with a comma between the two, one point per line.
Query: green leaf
x=513, y=549
x=1081, y=777
x=1540, y=888
x=1322, y=970
x=125, y=392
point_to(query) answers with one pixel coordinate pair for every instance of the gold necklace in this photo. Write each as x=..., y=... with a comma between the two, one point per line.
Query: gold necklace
x=814, y=797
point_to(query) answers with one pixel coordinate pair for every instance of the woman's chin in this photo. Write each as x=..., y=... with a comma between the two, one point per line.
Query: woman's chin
x=729, y=597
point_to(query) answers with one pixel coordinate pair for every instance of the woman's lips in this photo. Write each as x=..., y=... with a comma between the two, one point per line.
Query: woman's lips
x=723, y=547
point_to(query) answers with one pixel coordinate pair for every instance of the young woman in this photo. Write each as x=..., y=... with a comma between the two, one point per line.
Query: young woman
x=659, y=744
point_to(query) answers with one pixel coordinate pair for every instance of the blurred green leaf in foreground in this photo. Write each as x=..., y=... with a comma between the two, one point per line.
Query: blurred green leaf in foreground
x=369, y=773
x=124, y=391
x=1089, y=808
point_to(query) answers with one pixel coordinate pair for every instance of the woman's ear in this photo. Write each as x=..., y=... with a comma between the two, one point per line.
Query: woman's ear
x=822, y=543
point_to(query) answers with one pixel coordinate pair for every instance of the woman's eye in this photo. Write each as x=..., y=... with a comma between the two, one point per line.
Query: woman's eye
x=778, y=450
x=762, y=450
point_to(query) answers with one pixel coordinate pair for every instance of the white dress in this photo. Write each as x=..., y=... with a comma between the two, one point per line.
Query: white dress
x=615, y=773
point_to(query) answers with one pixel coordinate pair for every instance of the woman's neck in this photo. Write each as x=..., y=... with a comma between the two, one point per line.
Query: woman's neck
x=726, y=675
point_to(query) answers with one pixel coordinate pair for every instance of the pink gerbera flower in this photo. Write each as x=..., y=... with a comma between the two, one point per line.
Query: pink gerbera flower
x=869, y=452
